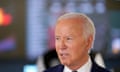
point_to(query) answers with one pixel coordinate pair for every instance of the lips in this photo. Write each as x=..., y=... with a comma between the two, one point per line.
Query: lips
x=64, y=54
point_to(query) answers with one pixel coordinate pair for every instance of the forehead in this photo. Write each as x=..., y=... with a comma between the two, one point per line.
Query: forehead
x=73, y=25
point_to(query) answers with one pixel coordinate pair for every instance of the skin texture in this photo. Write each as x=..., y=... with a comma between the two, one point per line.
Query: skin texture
x=71, y=46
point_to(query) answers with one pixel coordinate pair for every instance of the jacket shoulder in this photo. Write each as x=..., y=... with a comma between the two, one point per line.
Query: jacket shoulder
x=97, y=68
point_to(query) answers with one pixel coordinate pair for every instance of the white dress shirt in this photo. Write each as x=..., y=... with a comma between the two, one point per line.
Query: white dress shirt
x=85, y=68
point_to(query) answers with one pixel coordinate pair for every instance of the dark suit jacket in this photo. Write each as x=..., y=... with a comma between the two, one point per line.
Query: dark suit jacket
x=60, y=68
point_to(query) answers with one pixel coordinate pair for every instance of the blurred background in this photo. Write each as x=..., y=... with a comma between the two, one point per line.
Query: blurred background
x=27, y=32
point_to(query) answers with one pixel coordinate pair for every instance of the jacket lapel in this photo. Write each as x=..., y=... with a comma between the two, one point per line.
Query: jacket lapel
x=60, y=68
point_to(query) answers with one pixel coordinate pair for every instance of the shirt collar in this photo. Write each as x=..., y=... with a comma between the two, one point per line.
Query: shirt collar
x=85, y=68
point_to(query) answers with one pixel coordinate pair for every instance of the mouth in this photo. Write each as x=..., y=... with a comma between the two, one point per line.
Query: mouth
x=64, y=54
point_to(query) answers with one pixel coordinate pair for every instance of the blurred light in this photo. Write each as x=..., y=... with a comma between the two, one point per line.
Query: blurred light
x=56, y=7
x=5, y=18
x=70, y=7
x=35, y=29
x=30, y=68
x=86, y=7
x=7, y=44
x=1, y=16
x=116, y=45
x=100, y=7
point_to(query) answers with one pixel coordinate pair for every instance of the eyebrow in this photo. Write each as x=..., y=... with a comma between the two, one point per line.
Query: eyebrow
x=64, y=36
x=57, y=36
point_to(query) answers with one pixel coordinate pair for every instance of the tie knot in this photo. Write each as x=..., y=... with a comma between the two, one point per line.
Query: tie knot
x=74, y=71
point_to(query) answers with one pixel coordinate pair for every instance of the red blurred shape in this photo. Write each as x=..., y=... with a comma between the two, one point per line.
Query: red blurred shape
x=7, y=19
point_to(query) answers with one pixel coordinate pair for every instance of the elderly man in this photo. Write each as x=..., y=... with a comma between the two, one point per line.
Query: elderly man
x=74, y=37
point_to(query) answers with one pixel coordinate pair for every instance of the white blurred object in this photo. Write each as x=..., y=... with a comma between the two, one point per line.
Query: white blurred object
x=116, y=45
x=40, y=64
x=86, y=7
x=99, y=60
x=30, y=68
x=100, y=7
x=70, y=7
x=36, y=32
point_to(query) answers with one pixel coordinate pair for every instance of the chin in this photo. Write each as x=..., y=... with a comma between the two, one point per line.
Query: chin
x=65, y=63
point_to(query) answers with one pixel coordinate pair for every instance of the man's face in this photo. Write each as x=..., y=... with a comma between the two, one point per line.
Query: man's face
x=71, y=46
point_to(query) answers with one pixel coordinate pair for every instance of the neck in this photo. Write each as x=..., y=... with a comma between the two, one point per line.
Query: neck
x=79, y=64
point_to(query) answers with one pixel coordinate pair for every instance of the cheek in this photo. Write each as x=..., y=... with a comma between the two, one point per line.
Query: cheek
x=57, y=50
x=76, y=49
x=73, y=49
x=56, y=46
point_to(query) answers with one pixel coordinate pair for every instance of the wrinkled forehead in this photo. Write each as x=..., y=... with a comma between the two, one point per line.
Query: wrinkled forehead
x=71, y=22
x=69, y=26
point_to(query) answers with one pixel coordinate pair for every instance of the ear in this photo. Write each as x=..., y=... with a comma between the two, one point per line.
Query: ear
x=90, y=42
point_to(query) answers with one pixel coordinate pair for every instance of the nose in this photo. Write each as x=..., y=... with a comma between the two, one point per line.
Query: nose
x=62, y=45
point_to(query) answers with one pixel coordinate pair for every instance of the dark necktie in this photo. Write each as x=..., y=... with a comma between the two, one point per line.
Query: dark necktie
x=74, y=71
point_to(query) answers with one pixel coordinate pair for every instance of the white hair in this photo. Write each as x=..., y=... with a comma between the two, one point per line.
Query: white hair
x=88, y=26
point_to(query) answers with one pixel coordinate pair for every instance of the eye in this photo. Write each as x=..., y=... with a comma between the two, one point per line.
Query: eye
x=57, y=38
x=69, y=38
